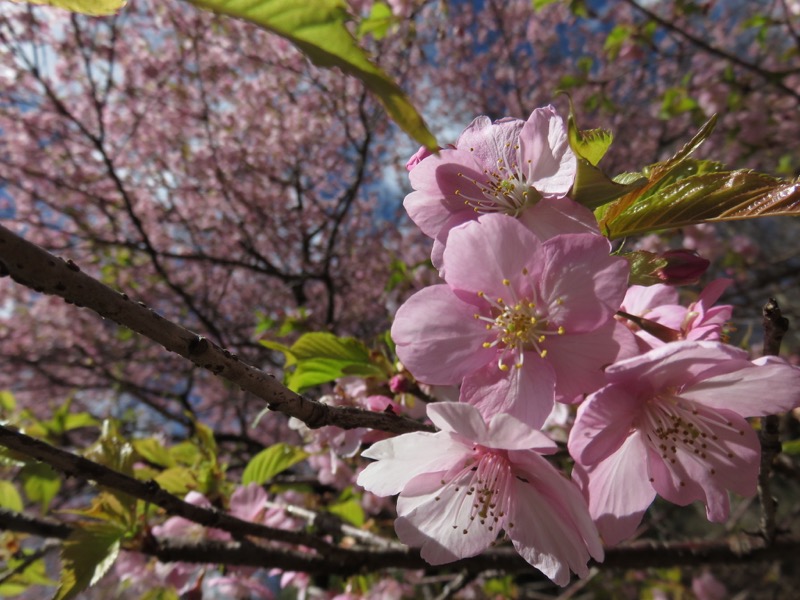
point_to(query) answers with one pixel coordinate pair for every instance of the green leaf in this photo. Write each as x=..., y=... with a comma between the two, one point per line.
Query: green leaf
x=656, y=176
x=317, y=28
x=77, y=420
x=9, y=497
x=322, y=357
x=186, y=453
x=540, y=4
x=378, y=22
x=154, y=452
x=160, y=594
x=710, y=197
x=644, y=265
x=113, y=507
x=675, y=102
x=349, y=508
x=41, y=483
x=87, y=555
x=615, y=39
x=589, y=144
x=87, y=7
x=791, y=447
x=177, y=480
x=7, y=401
x=268, y=463
x=593, y=188
x=23, y=575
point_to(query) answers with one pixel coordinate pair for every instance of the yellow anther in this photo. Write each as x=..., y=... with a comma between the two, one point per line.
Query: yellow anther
x=541, y=338
x=560, y=301
x=506, y=282
x=486, y=344
x=525, y=270
x=503, y=367
x=481, y=294
x=533, y=320
x=543, y=354
x=476, y=316
x=560, y=330
x=531, y=305
x=488, y=326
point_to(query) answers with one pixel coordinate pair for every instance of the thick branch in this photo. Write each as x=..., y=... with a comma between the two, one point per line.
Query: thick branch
x=775, y=327
x=636, y=555
x=34, y=267
x=47, y=528
x=149, y=491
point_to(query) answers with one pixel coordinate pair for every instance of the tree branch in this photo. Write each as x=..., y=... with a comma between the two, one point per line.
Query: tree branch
x=34, y=267
x=775, y=327
x=149, y=491
x=634, y=555
x=770, y=77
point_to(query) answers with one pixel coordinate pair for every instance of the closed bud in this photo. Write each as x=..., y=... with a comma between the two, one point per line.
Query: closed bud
x=683, y=267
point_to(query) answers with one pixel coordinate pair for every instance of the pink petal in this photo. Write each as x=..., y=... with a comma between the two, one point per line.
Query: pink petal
x=579, y=360
x=456, y=417
x=545, y=150
x=480, y=255
x=677, y=364
x=618, y=490
x=731, y=461
x=603, y=424
x=640, y=299
x=438, y=338
x=402, y=458
x=552, y=529
x=553, y=216
x=436, y=181
x=582, y=285
x=508, y=433
x=489, y=143
x=526, y=393
x=248, y=502
x=442, y=528
x=766, y=387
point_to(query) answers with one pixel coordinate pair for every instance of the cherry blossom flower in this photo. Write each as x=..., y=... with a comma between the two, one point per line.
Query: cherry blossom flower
x=460, y=487
x=672, y=422
x=701, y=320
x=521, y=322
x=519, y=168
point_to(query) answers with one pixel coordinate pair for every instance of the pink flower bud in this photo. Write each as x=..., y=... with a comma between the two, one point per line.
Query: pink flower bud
x=398, y=384
x=683, y=267
x=418, y=157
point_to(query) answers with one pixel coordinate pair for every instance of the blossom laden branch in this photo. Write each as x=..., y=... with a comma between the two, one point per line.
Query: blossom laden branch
x=34, y=267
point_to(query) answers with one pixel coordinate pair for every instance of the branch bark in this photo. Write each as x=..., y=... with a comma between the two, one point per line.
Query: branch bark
x=34, y=267
x=149, y=491
x=775, y=327
x=635, y=555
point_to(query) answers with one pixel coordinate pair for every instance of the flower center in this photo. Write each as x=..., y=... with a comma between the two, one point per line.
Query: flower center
x=504, y=190
x=485, y=488
x=678, y=428
x=520, y=326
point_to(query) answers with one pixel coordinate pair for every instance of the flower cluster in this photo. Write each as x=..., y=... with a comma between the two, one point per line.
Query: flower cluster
x=535, y=310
